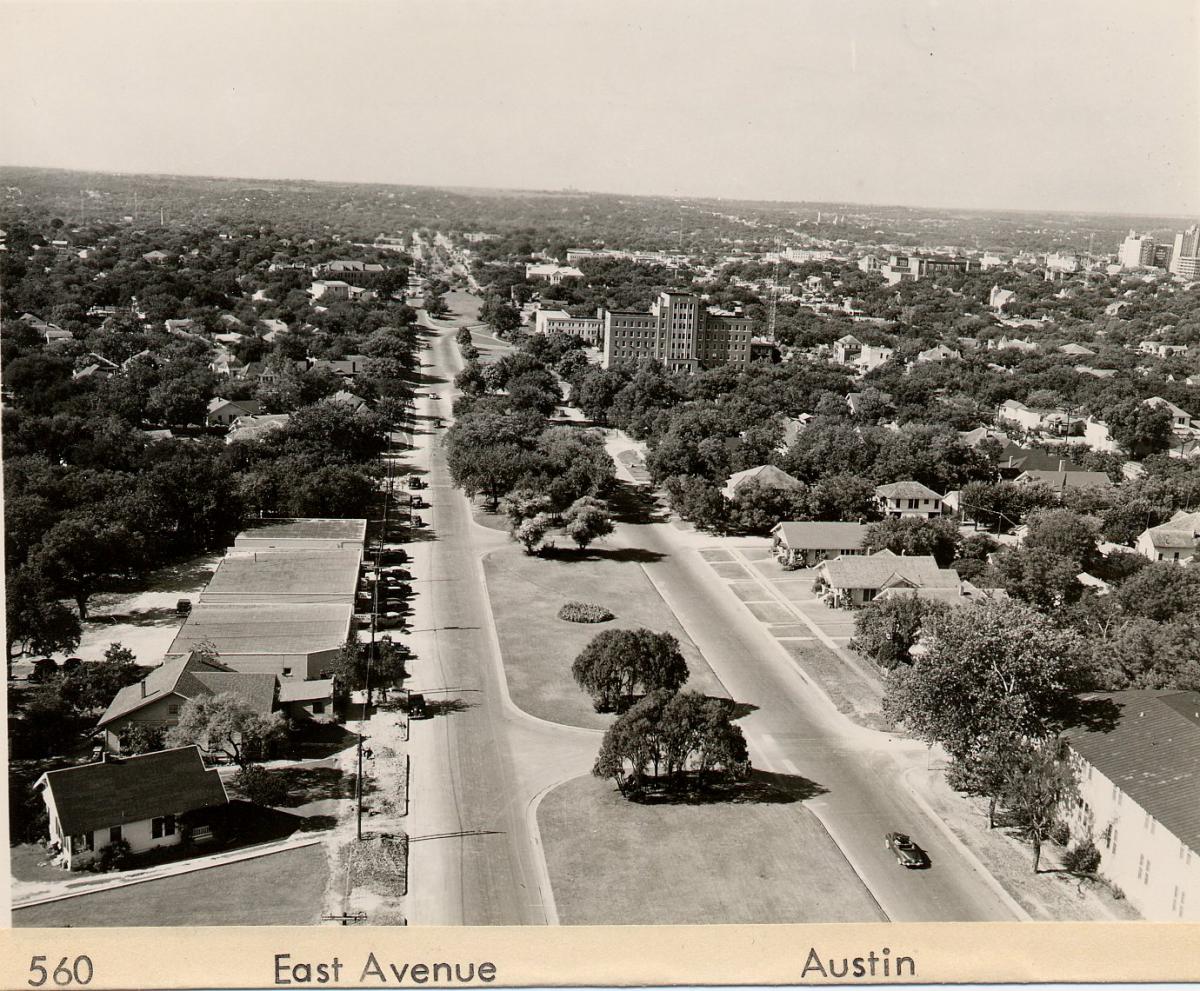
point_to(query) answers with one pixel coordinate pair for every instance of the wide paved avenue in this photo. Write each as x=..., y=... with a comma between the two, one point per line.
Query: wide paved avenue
x=475, y=770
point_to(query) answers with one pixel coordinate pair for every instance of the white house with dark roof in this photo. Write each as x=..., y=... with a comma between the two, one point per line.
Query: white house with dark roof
x=1138, y=767
x=900, y=499
x=855, y=581
x=222, y=412
x=805, y=544
x=1176, y=540
x=1181, y=419
x=847, y=349
x=157, y=699
x=152, y=800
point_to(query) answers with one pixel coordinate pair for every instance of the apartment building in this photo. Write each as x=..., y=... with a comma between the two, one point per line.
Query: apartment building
x=1139, y=798
x=680, y=332
x=588, y=329
x=1185, y=254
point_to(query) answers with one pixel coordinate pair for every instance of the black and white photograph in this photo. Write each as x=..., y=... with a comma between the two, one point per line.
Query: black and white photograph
x=639, y=463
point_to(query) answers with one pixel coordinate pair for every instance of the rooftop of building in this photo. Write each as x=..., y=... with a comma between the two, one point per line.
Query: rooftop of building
x=264, y=628
x=307, y=528
x=875, y=570
x=1148, y=745
x=280, y=572
x=806, y=535
x=122, y=790
x=906, y=490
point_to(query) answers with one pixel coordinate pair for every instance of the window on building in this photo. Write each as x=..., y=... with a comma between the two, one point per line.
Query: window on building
x=1141, y=865
x=162, y=826
x=287, y=672
x=1146, y=879
x=1114, y=842
x=1182, y=897
x=173, y=709
x=318, y=707
x=114, y=834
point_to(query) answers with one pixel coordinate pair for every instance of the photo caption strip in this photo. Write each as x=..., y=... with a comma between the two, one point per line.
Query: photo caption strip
x=364, y=957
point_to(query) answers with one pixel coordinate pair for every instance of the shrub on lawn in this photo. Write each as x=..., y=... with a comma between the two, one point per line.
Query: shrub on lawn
x=1084, y=859
x=260, y=786
x=584, y=612
x=113, y=857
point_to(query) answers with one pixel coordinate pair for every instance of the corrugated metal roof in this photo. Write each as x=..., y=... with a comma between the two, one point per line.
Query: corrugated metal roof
x=1152, y=753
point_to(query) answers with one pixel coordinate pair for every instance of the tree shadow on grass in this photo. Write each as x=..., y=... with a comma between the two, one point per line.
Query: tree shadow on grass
x=310, y=784
x=638, y=555
x=761, y=788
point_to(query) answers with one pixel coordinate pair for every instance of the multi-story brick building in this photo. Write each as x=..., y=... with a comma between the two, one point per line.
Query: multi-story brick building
x=680, y=332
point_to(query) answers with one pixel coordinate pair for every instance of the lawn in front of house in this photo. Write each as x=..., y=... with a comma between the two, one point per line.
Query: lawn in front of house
x=279, y=889
x=766, y=860
x=538, y=648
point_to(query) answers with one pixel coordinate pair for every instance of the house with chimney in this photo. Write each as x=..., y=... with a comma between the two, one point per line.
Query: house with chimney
x=157, y=700
x=149, y=801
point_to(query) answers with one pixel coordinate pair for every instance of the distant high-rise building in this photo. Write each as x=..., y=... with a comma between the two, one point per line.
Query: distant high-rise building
x=1137, y=251
x=1185, y=255
x=680, y=332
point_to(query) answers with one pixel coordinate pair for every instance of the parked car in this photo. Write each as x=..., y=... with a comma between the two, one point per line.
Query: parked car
x=417, y=521
x=906, y=852
x=417, y=709
x=398, y=573
x=415, y=483
x=417, y=502
x=183, y=607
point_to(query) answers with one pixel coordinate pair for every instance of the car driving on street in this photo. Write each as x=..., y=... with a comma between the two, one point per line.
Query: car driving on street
x=906, y=852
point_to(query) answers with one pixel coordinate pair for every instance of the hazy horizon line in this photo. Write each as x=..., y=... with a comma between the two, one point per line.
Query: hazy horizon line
x=457, y=187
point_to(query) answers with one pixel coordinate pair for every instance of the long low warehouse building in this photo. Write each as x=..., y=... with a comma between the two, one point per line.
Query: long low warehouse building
x=301, y=534
x=285, y=576
x=282, y=599
x=288, y=639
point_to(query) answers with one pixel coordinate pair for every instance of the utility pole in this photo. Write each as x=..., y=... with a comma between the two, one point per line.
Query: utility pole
x=371, y=651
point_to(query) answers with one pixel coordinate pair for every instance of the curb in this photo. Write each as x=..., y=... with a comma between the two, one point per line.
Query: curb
x=127, y=883
x=989, y=878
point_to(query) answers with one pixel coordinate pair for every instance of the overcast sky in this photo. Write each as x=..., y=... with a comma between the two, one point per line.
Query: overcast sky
x=1058, y=104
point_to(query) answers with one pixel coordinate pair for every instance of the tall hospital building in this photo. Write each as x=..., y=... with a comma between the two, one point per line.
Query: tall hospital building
x=680, y=332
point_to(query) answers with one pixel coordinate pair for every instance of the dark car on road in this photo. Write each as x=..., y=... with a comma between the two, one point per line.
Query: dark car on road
x=415, y=483
x=906, y=852
x=417, y=709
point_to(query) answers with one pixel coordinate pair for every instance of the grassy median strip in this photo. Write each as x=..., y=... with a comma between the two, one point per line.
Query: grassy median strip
x=538, y=648
x=766, y=860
